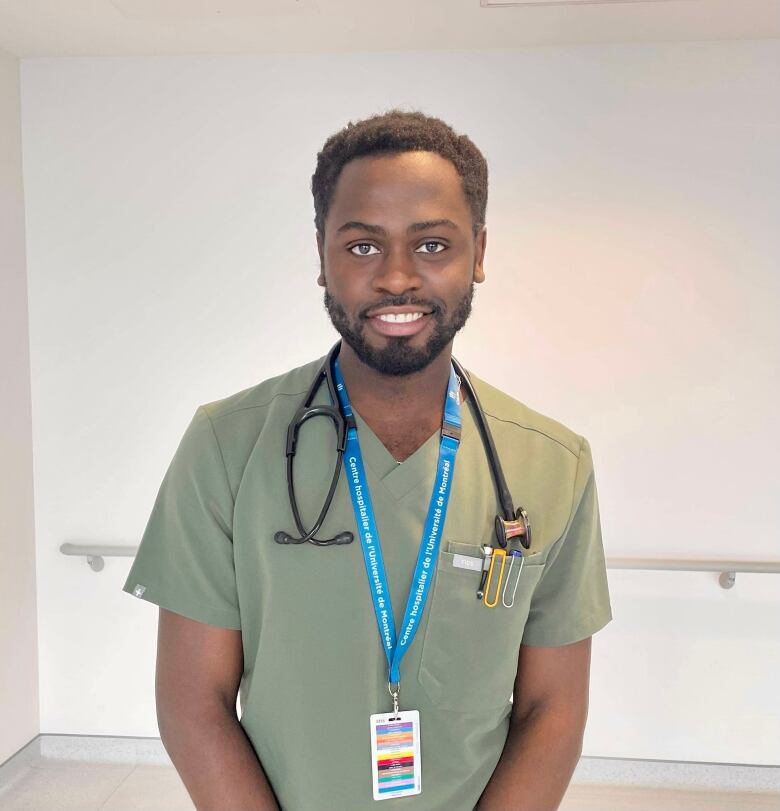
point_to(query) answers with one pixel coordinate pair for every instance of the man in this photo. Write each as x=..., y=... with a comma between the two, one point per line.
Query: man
x=501, y=693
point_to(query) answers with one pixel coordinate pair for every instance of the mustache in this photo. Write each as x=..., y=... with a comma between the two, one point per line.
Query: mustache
x=403, y=301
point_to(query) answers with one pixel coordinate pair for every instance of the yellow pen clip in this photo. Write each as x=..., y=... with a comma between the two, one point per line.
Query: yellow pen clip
x=497, y=553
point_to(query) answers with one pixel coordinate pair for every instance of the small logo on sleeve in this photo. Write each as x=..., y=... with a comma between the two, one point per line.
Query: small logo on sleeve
x=139, y=590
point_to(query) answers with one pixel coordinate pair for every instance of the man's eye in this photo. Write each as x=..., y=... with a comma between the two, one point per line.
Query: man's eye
x=432, y=244
x=362, y=249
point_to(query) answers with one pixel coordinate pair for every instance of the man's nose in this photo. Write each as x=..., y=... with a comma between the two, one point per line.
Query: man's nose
x=397, y=273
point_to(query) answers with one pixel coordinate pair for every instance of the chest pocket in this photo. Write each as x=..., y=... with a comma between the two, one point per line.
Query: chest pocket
x=469, y=654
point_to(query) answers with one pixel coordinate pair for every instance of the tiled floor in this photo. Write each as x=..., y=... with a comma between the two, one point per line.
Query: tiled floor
x=36, y=781
x=651, y=798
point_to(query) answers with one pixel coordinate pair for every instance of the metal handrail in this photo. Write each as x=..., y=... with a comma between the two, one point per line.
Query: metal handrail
x=95, y=553
x=728, y=569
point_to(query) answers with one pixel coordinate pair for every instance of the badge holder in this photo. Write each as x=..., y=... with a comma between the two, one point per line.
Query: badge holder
x=395, y=752
x=395, y=737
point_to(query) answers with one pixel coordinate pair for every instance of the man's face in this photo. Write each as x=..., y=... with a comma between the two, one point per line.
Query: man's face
x=399, y=259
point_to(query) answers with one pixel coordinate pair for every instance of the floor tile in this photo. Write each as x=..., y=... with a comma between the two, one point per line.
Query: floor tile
x=640, y=798
x=10, y=777
x=150, y=788
x=48, y=785
x=63, y=788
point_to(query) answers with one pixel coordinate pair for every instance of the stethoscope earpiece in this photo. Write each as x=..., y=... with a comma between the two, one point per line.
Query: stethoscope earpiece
x=285, y=538
x=342, y=538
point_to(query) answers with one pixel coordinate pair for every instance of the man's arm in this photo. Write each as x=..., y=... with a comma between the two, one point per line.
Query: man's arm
x=198, y=674
x=545, y=732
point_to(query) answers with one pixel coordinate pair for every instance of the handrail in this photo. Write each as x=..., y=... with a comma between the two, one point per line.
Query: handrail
x=96, y=552
x=728, y=568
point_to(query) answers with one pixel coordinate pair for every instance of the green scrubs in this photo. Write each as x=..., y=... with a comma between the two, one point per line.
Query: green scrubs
x=314, y=667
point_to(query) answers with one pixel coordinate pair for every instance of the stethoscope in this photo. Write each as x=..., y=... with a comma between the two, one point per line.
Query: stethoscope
x=509, y=524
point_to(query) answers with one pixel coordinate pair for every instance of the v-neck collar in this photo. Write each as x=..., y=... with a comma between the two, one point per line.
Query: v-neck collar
x=416, y=470
x=399, y=478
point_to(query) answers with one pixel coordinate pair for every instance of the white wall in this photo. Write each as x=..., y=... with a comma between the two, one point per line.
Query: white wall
x=18, y=611
x=632, y=291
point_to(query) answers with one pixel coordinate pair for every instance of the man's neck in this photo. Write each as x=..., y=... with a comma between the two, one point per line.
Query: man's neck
x=416, y=399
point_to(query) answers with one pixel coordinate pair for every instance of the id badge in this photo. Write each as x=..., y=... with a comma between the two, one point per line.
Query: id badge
x=395, y=754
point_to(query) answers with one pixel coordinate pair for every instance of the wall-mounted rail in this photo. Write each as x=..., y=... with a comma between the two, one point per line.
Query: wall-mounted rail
x=94, y=553
x=728, y=568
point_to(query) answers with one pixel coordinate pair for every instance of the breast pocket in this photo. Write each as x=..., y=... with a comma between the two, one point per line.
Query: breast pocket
x=469, y=655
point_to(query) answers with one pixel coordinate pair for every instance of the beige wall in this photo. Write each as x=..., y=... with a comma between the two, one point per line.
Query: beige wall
x=18, y=615
x=632, y=293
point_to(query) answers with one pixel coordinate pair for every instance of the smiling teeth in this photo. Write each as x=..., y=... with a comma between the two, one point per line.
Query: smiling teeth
x=400, y=318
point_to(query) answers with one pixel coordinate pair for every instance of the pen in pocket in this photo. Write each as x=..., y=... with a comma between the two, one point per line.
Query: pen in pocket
x=487, y=552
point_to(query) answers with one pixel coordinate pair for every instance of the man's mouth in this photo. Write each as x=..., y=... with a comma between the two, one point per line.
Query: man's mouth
x=400, y=318
x=398, y=321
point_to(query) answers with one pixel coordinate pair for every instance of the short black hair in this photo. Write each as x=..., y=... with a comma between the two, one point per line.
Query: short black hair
x=393, y=132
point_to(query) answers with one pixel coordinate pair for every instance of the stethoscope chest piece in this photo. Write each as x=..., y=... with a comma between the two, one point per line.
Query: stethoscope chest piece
x=519, y=527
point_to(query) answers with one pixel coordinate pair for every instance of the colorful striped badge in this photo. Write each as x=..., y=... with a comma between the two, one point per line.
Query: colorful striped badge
x=395, y=754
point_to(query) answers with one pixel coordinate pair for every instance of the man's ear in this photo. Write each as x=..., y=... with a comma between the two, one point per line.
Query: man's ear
x=321, y=252
x=480, y=243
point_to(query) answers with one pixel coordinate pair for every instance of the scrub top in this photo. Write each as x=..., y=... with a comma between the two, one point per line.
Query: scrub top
x=314, y=666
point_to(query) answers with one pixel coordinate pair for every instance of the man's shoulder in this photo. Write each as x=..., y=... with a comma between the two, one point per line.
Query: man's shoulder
x=290, y=384
x=507, y=409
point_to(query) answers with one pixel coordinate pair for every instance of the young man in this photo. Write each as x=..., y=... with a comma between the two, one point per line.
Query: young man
x=493, y=699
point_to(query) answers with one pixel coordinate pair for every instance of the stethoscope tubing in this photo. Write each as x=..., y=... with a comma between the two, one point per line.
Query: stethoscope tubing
x=335, y=412
x=504, y=496
x=305, y=412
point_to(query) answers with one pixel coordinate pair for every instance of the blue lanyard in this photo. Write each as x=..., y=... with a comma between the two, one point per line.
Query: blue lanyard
x=396, y=647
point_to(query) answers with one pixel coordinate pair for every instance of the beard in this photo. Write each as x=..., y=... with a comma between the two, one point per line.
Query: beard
x=398, y=357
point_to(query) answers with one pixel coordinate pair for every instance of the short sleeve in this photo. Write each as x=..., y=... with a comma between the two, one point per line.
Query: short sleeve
x=571, y=600
x=185, y=560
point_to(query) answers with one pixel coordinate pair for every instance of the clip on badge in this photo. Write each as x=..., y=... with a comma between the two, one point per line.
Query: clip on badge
x=395, y=754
